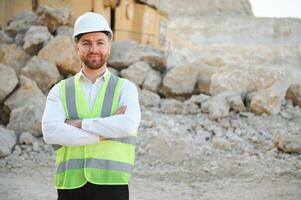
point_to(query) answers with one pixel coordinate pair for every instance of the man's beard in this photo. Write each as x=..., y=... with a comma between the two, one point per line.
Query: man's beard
x=91, y=64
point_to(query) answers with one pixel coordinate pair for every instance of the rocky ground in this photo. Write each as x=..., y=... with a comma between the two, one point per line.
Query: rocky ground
x=184, y=156
x=205, y=147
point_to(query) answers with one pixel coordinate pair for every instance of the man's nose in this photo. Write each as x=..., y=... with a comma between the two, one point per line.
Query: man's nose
x=94, y=47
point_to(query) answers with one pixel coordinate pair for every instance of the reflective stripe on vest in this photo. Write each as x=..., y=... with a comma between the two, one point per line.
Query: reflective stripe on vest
x=106, y=107
x=108, y=100
x=94, y=163
x=116, y=156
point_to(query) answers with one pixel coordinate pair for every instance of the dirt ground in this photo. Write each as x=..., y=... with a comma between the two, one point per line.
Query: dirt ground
x=34, y=181
x=180, y=166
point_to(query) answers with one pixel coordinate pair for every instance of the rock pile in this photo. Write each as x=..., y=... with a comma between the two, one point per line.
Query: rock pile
x=201, y=96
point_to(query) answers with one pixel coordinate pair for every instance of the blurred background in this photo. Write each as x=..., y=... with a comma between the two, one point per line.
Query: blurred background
x=219, y=88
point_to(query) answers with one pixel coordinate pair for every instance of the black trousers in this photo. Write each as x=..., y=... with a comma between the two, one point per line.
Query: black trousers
x=91, y=191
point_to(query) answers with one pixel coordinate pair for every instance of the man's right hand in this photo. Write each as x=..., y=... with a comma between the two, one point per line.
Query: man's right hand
x=121, y=110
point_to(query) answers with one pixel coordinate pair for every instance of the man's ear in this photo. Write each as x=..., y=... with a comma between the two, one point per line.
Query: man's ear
x=76, y=47
x=110, y=47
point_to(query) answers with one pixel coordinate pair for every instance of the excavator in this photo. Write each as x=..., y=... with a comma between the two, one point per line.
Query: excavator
x=138, y=20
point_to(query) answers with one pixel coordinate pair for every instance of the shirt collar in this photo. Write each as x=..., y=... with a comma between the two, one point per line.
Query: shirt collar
x=81, y=75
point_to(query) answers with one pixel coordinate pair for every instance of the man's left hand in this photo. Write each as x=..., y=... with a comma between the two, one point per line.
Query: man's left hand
x=74, y=122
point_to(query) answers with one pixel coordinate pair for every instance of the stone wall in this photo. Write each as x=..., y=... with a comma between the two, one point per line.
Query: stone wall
x=179, y=8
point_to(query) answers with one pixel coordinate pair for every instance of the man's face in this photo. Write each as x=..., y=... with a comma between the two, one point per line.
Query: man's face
x=94, y=49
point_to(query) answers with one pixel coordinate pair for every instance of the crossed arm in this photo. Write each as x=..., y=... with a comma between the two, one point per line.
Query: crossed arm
x=78, y=122
x=57, y=130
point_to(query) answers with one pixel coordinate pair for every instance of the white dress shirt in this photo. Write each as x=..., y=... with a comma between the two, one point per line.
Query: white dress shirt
x=56, y=131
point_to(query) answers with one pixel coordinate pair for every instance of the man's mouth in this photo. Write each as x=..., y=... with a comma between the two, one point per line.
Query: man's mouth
x=93, y=56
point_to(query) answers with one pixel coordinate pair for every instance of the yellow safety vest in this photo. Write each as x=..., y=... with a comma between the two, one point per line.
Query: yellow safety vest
x=110, y=162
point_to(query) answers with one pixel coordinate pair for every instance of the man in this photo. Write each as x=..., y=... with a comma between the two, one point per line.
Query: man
x=92, y=118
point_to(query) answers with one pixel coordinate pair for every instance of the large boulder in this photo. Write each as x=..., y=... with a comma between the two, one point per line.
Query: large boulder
x=45, y=74
x=246, y=79
x=7, y=140
x=26, y=138
x=61, y=51
x=205, y=76
x=8, y=81
x=136, y=72
x=152, y=80
x=27, y=93
x=13, y=56
x=125, y=53
x=180, y=82
x=171, y=106
x=289, y=143
x=64, y=31
x=21, y=23
x=294, y=94
x=53, y=17
x=269, y=100
x=219, y=106
x=4, y=38
x=27, y=118
x=26, y=106
x=155, y=57
x=148, y=98
x=35, y=38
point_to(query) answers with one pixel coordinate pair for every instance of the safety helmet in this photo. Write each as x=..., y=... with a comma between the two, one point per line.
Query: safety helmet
x=91, y=22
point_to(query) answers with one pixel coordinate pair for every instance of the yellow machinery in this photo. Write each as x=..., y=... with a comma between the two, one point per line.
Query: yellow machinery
x=129, y=19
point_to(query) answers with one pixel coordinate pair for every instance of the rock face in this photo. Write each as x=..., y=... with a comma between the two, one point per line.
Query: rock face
x=45, y=74
x=208, y=30
x=8, y=81
x=67, y=59
x=7, y=140
x=193, y=8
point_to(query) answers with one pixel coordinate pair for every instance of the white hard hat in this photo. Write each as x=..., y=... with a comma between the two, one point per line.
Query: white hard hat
x=91, y=22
